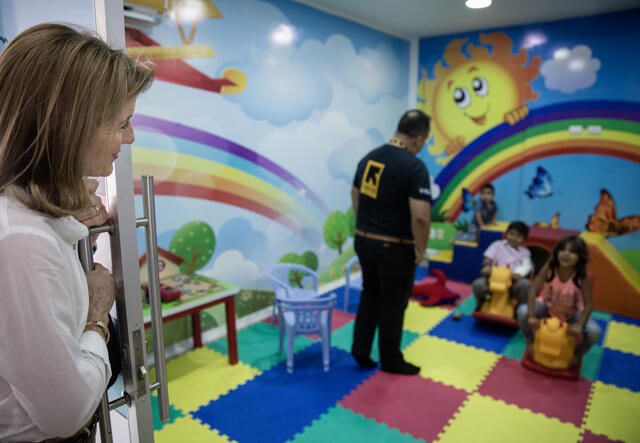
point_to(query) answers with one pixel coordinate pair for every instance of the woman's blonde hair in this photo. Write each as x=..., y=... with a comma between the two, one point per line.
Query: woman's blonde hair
x=57, y=86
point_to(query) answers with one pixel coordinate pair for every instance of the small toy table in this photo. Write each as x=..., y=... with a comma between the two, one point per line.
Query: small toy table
x=193, y=304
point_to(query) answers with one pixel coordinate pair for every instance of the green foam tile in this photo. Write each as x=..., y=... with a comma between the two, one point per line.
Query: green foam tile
x=516, y=346
x=341, y=425
x=591, y=362
x=601, y=315
x=155, y=413
x=258, y=346
x=468, y=306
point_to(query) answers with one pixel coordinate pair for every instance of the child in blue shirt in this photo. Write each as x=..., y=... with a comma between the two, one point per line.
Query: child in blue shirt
x=486, y=209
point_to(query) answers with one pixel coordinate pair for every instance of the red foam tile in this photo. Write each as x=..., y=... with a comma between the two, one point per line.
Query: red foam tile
x=338, y=320
x=589, y=437
x=411, y=404
x=563, y=399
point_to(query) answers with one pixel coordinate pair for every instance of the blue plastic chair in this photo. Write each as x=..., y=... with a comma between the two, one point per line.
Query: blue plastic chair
x=355, y=283
x=287, y=278
x=302, y=317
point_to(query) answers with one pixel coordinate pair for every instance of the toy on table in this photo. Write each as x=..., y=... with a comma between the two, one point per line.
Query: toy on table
x=167, y=293
x=498, y=307
x=553, y=349
x=434, y=292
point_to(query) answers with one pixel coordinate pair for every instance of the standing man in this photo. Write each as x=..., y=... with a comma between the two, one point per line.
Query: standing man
x=391, y=196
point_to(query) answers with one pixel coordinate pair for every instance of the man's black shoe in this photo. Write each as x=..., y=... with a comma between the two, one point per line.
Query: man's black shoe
x=365, y=362
x=402, y=368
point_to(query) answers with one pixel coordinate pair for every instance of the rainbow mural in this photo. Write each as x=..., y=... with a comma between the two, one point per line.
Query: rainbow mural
x=198, y=164
x=545, y=133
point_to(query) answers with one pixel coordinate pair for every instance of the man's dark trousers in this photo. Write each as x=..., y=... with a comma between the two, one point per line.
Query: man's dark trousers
x=388, y=271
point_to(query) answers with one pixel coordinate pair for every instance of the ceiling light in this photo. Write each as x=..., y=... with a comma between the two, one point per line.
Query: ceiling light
x=283, y=35
x=477, y=4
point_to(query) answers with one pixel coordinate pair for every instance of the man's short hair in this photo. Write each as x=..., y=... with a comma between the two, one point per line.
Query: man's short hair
x=414, y=123
x=519, y=227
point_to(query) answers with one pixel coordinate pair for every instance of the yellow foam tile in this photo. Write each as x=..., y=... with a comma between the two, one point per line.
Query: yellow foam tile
x=420, y=319
x=623, y=337
x=202, y=375
x=483, y=419
x=188, y=430
x=450, y=363
x=613, y=412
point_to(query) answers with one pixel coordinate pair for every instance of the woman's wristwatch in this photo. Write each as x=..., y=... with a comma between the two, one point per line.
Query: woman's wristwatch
x=102, y=326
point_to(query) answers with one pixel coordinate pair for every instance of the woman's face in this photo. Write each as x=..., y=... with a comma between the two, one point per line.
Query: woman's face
x=111, y=135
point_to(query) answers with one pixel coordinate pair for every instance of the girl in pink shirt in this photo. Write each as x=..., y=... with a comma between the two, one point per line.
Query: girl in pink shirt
x=563, y=290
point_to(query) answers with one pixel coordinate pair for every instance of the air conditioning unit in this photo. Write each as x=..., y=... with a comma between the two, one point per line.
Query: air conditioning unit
x=147, y=11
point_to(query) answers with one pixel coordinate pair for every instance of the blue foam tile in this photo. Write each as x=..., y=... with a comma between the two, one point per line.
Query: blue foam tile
x=354, y=299
x=274, y=406
x=620, y=369
x=471, y=332
x=421, y=272
x=628, y=320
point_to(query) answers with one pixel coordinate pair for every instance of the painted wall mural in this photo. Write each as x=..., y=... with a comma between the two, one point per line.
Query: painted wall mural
x=550, y=114
x=254, y=126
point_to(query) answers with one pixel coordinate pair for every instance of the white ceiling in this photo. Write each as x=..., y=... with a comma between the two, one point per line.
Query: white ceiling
x=426, y=18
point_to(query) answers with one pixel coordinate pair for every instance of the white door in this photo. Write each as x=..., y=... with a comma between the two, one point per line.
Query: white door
x=121, y=248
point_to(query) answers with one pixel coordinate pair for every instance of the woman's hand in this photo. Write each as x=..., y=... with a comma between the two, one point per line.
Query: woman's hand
x=97, y=215
x=102, y=293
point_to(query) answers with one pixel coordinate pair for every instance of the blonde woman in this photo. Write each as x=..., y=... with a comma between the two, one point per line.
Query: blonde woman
x=66, y=99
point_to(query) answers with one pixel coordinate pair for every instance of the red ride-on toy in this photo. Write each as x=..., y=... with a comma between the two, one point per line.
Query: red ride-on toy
x=434, y=292
x=553, y=349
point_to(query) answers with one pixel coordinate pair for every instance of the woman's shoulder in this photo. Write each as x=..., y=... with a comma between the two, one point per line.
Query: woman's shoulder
x=17, y=220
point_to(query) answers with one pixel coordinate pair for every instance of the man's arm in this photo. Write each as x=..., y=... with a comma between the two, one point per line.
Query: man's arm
x=420, y=225
x=355, y=195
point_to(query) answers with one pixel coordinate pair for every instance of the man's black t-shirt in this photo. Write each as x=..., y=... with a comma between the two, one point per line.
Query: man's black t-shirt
x=386, y=178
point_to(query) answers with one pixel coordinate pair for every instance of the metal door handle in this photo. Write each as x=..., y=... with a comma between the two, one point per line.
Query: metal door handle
x=149, y=224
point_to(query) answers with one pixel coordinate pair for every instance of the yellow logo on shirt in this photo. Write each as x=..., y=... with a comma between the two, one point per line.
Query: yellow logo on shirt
x=371, y=179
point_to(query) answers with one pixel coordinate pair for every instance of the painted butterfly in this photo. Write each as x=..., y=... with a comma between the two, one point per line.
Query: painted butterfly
x=468, y=202
x=605, y=218
x=541, y=186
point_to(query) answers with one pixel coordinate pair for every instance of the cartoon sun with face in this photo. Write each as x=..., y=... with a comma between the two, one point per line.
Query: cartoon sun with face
x=476, y=94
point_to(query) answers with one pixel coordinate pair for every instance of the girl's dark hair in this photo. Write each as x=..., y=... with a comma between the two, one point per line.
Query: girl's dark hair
x=577, y=245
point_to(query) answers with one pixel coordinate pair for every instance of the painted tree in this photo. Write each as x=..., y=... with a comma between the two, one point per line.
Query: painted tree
x=351, y=221
x=195, y=243
x=336, y=230
x=308, y=259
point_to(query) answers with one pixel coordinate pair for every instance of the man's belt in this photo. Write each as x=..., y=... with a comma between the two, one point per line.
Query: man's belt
x=387, y=238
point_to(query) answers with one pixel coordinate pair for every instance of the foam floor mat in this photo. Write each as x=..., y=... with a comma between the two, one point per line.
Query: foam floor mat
x=471, y=387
